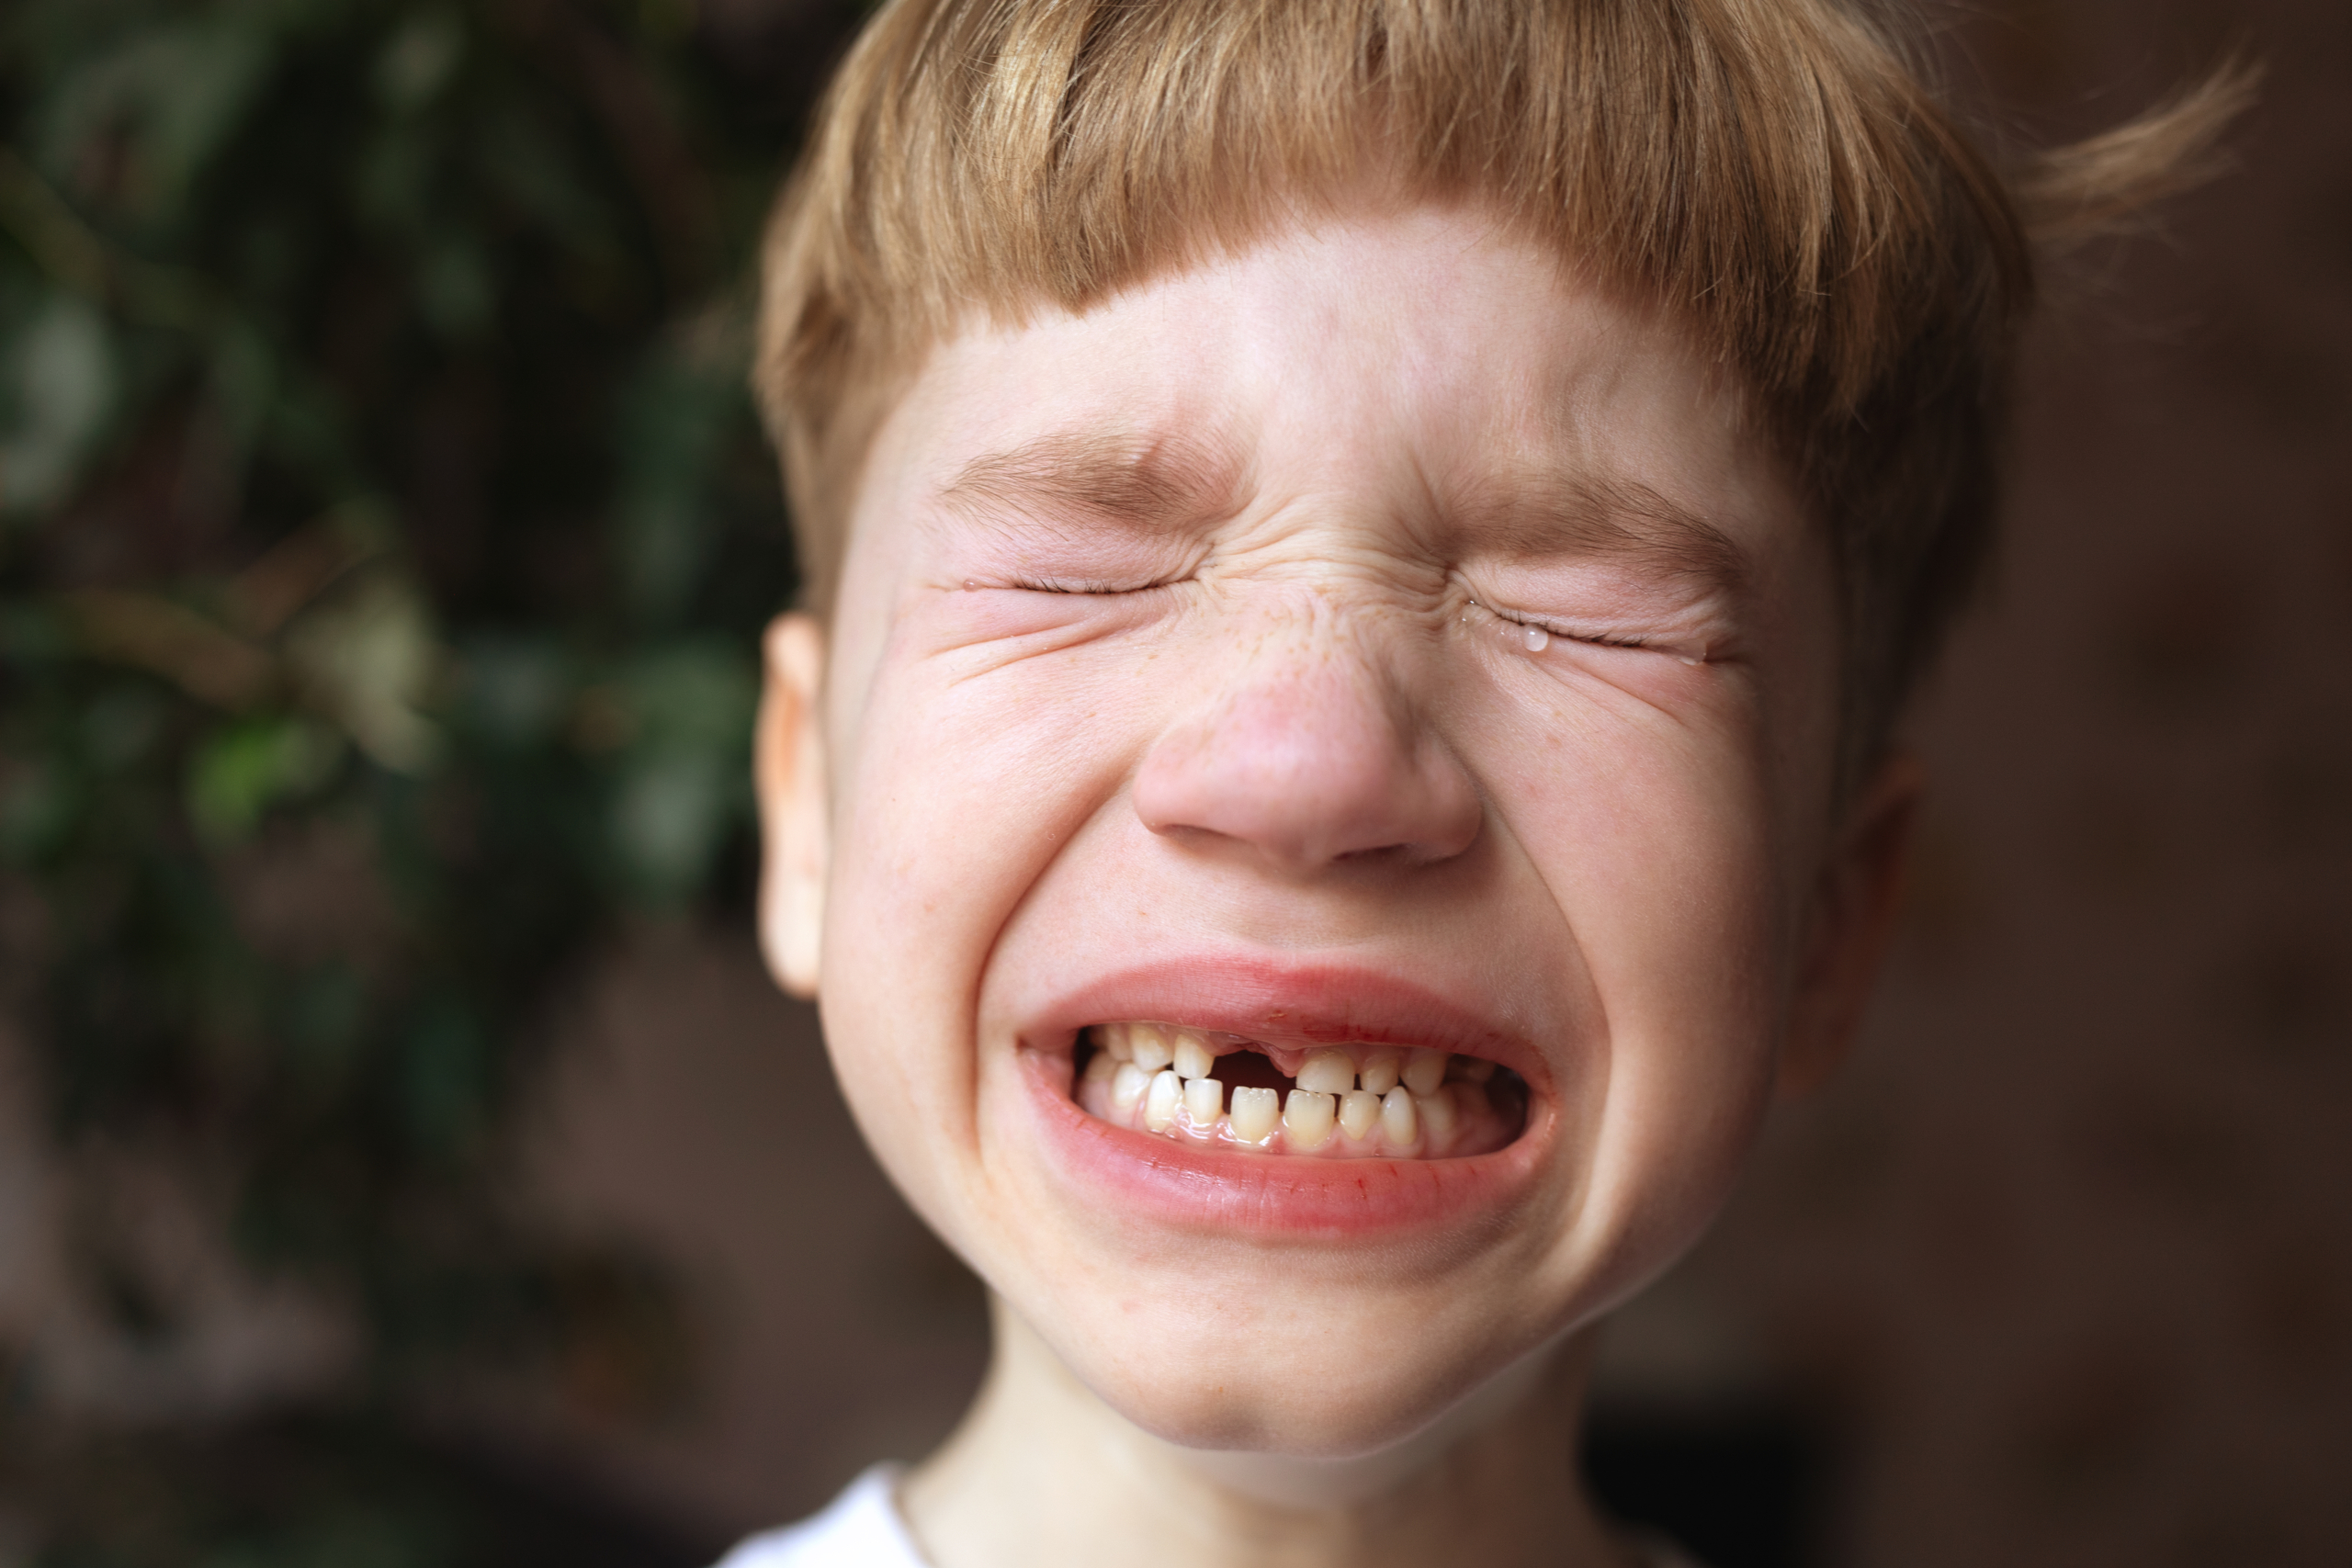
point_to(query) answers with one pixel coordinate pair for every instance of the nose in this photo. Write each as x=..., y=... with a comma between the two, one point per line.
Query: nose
x=1312, y=760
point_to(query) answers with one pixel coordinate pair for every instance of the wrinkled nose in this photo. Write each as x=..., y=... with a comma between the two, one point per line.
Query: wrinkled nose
x=1306, y=765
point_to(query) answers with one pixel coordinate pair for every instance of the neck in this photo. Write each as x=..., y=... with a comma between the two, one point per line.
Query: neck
x=1043, y=1473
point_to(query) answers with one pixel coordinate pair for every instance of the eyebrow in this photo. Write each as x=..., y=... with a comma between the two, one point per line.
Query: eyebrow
x=1593, y=517
x=1165, y=480
x=1151, y=481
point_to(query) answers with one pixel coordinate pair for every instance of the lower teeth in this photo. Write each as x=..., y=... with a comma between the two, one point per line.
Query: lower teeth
x=1364, y=1103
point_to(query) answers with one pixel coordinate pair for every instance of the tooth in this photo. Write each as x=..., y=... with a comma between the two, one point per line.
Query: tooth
x=1203, y=1103
x=1359, y=1109
x=1379, y=1070
x=1438, y=1113
x=1469, y=1069
x=1424, y=1070
x=1327, y=1072
x=1100, y=1067
x=1306, y=1119
x=1160, y=1105
x=1194, y=1058
x=1127, y=1085
x=1152, y=1049
x=1254, y=1113
x=1399, y=1123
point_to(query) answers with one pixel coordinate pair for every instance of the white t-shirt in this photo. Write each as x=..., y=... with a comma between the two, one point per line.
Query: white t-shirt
x=861, y=1528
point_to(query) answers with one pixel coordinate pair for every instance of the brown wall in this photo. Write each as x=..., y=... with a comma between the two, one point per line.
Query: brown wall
x=2073, y=1242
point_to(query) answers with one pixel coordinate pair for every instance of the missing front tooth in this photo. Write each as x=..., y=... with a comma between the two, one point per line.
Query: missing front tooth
x=1353, y=1101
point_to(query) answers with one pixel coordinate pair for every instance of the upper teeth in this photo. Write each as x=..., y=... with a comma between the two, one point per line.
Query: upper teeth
x=1328, y=1071
x=1424, y=1070
x=1358, y=1099
x=1194, y=1058
x=1149, y=1046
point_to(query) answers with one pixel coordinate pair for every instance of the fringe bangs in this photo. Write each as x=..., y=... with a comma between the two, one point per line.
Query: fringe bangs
x=1777, y=172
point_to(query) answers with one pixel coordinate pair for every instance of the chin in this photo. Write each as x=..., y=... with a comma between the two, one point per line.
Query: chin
x=1293, y=1395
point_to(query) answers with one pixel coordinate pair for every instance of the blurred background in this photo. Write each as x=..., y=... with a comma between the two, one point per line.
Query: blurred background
x=404, y=1159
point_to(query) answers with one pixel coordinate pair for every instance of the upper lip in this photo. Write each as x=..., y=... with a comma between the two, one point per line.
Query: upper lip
x=1285, y=1002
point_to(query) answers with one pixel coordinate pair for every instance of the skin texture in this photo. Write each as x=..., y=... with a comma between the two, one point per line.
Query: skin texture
x=1191, y=633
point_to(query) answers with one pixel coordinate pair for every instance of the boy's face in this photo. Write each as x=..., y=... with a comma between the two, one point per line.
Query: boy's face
x=1183, y=671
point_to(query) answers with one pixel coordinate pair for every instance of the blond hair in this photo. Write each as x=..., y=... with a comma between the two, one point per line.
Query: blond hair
x=1778, y=173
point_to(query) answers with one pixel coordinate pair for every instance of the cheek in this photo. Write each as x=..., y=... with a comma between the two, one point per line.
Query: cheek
x=1649, y=811
x=957, y=787
x=1652, y=837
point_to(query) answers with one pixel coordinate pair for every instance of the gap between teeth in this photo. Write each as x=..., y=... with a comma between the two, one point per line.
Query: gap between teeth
x=1359, y=1100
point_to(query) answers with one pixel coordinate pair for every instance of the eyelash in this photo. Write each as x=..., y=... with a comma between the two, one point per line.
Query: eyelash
x=1098, y=590
x=1592, y=639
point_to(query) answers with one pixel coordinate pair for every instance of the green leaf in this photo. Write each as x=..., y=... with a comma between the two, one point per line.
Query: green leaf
x=419, y=60
x=246, y=769
x=57, y=387
x=169, y=97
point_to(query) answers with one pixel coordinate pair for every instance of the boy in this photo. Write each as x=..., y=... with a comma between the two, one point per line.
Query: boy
x=1363, y=555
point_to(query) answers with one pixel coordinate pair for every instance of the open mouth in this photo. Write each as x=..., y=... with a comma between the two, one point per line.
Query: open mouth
x=1206, y=1088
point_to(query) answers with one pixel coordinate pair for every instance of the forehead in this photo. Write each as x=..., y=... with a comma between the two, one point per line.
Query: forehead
x=1433, y=348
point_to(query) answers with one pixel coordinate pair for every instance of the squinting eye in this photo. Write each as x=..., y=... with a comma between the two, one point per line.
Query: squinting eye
x=1055, y=585
x=1535, y=637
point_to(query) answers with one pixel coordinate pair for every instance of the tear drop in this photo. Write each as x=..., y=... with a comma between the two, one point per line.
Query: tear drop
x=1536, y=639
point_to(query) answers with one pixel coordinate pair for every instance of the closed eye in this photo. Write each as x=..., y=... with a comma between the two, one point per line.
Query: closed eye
x=1086, y=585
x=1570, y=634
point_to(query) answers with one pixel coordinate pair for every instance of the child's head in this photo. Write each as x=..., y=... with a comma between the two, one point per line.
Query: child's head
x=1360, y=523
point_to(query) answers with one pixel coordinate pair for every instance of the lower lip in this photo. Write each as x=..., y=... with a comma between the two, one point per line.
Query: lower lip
x=1157, y=1178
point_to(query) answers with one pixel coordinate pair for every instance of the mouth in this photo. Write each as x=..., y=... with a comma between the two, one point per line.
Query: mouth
x=1345, y=1100
x=1299, y=1142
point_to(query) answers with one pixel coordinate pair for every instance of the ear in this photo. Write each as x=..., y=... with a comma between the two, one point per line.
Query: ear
x=788, y=773
x=1852, y=917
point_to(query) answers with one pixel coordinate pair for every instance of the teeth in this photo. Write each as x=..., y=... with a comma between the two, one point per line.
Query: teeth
x=1159, y=1103
x=1387, y=1100
x=1399, y=1123
x=1424, y=1070
x=1152, y=1047
x=1194, y=1058
x=1255, y=1112
x=1306, y=1119
x=1438, y=1113
x=1328, y=1071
